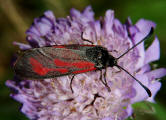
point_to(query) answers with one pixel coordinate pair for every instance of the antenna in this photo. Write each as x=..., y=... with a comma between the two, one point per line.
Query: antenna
x=150, y=33
x=146, y=89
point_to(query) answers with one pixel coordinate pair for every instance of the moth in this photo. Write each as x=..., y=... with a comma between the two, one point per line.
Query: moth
x=60, y=60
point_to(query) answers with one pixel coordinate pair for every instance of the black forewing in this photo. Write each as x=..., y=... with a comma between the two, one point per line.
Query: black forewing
x=44, y=60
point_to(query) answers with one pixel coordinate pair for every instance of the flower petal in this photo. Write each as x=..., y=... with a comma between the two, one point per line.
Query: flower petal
x=145, y=68
x=98, y=30
x=50, y=15
x=142, y=29
x=153, y=52
x=43, y=26
x=141, y=51
x=75, y=13
x=22, y=46
x=129, y=110
x=155, y=74
x=120, y=29
x=88, y=13
x=33, y=30
x=144, y=26
x=140, y=91
x=154, y=88
x=108, y=22
x=107, y=118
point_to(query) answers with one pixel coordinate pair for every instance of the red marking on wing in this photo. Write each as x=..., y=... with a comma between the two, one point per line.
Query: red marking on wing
x=60, y=63
x=39, y=69
x=59, y=46
x=86, y=70
x=82, y=64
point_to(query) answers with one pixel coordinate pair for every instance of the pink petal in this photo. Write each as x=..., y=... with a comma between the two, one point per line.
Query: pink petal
x=133, y=30
x=109, y=17
x=153, y=52
x=43, y=28
x=22, y=45
x=129, y=22
x=98, y=29
x=129, y=110
x=141, y=94
x=120, y=29
x=154, y=88
x=145, y=68
x=158, y=73
x=49, y=14
x=33, y=30
x=89, y=13
x=107, y=118
x=88, y=34
x=141, y=51
x=144, y=26
x=75, y=13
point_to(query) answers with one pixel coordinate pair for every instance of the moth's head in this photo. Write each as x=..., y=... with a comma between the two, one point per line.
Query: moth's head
x=112, y=61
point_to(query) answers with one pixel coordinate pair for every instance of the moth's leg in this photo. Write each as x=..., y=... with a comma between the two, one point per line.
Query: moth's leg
x=104, y=82
x=118, y=70
x=105, y=73
x=71, y=83
x=86, y=39
x=101, y=77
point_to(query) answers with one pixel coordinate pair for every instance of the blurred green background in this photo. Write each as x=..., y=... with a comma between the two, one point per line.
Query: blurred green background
x=17, y=15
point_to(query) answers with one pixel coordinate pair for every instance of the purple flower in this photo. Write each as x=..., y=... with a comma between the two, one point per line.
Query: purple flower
x=52, y=99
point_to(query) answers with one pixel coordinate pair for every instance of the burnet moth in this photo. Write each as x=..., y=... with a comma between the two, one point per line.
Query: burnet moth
x=60, y=60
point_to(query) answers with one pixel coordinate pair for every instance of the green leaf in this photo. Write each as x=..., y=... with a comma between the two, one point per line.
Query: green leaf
x=146, y=110
x=144, y=107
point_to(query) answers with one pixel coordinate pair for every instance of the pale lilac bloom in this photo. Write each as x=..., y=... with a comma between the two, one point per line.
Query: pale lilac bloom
x=52, y=99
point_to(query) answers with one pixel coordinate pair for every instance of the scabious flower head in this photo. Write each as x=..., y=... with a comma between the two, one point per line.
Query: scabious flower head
x=52, y=99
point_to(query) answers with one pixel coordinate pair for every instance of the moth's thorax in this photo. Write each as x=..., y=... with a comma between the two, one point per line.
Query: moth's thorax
x=100, y=56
